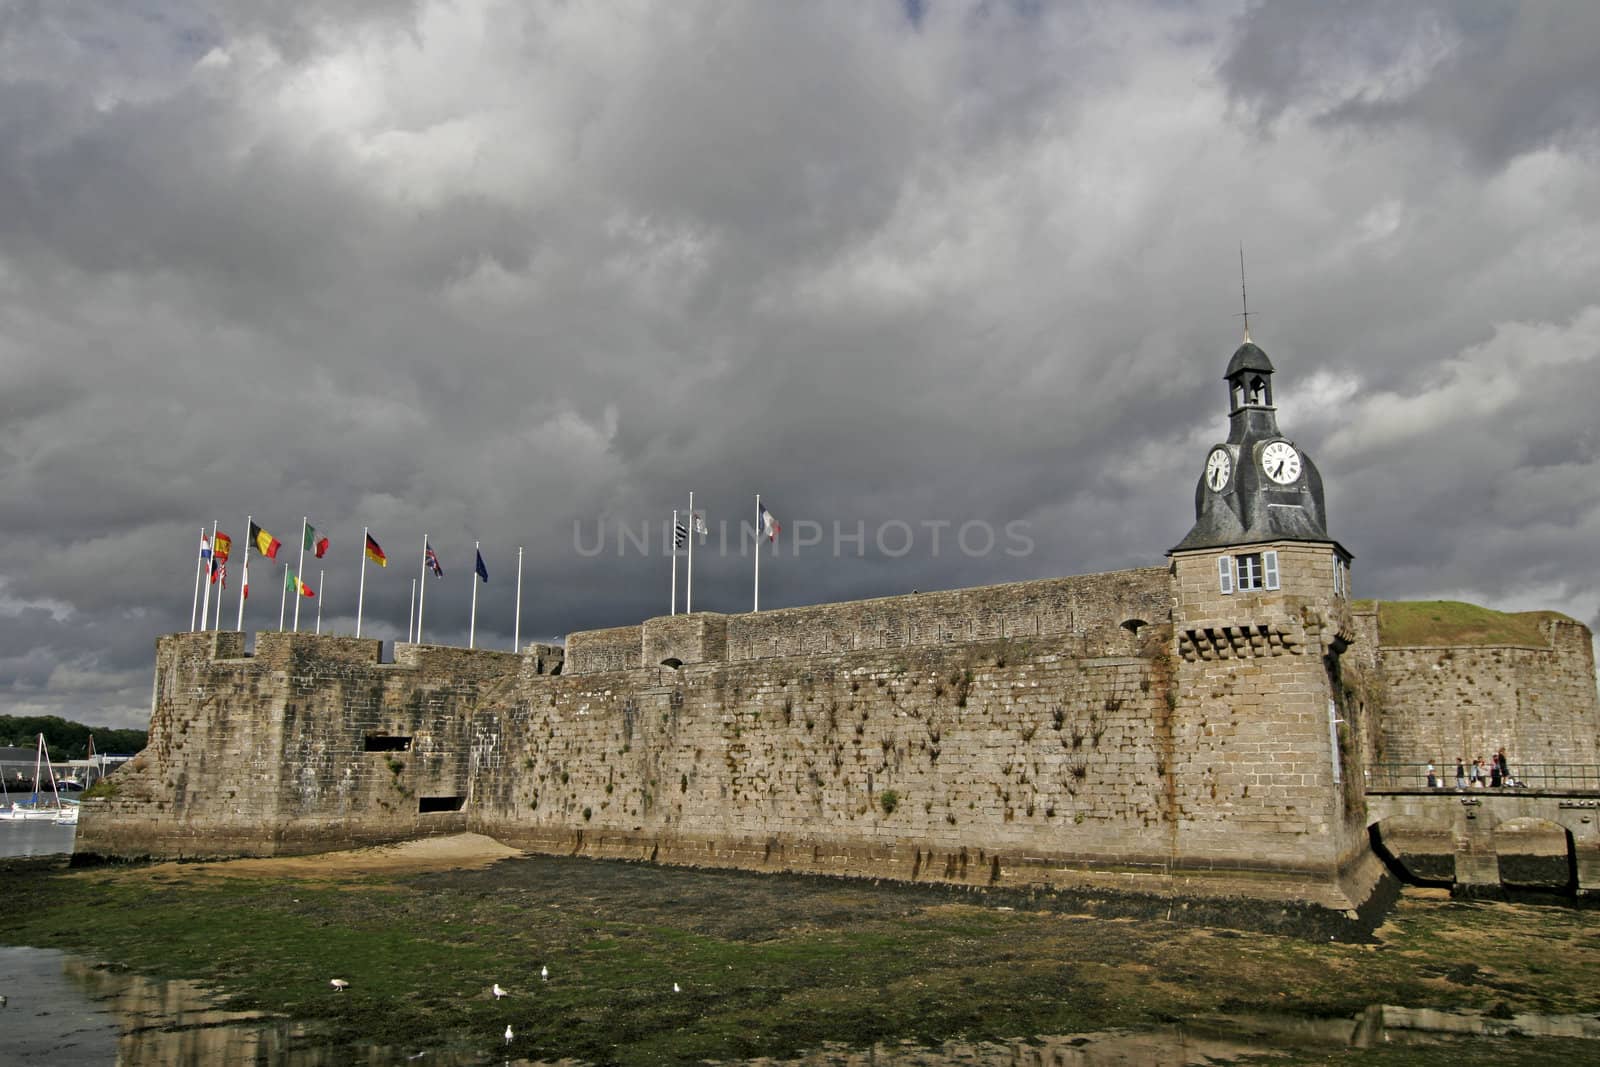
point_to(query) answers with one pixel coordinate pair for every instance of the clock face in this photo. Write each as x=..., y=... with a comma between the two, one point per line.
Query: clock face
x=1281, y=462
x=1218, y=469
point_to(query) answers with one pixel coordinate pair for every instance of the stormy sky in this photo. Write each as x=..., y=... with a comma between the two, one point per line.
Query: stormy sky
x=527, y=273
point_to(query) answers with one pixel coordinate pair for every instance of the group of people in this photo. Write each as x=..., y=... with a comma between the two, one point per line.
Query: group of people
x=1494, y=774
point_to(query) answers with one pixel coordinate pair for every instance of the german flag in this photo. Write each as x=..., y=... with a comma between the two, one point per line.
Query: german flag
x=265, y=543
x=375, y=554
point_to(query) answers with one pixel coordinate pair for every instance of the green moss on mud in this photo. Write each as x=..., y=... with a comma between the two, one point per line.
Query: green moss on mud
x=768, y=965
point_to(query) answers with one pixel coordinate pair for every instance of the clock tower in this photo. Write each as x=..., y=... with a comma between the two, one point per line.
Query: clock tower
x=1262, y=756
x=1257, y=485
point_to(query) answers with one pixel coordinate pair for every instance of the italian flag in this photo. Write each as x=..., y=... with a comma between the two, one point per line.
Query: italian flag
x=313, y=543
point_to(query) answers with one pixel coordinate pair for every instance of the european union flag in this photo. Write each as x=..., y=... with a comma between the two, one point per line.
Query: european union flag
x=483, y=572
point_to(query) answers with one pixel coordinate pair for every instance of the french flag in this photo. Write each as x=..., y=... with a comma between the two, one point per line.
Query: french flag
x=767, y=524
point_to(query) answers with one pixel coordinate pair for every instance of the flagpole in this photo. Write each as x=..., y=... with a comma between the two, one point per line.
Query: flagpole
x=199, y=567
x=283, y=595
x=472, y=628
x=757, y=606
x=205, y=603
x=321, y=593
x=361, y=590
x=300, y=568
x=411, y=616
x=688, y=592
x=244, y=585
x=422, y=588
x=516, y=632
x=217, y=624
x=674, y=608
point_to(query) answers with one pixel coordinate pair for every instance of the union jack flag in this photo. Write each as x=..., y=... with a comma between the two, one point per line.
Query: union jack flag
x=433, y=562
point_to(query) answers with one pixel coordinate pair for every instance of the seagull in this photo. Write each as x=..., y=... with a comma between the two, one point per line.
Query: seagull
x=2, y=1000
x=339, y=984
x=675, y=988
x=544, y=973
x=508, y=1033
x=498, y=992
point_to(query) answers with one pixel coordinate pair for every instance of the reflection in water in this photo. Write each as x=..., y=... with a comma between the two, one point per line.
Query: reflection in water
x=64, y=1009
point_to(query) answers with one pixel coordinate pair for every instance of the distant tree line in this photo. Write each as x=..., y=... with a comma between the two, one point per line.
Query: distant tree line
x=67, y=740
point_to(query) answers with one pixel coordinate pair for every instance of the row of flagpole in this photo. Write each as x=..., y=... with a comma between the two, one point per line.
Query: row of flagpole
x=216, y=550
x=692, y=526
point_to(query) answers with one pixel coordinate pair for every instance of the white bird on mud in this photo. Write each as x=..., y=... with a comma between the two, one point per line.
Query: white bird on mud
x=498, y=992
x=675, y=988
x=508, y=1033
x=544, y=973
x=339, y=984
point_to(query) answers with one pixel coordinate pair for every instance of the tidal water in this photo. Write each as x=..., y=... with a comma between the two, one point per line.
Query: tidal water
x=34, y=837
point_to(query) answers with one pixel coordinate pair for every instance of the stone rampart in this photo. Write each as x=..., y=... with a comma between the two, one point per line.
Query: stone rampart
x=1009, y=758
x=1444, y=701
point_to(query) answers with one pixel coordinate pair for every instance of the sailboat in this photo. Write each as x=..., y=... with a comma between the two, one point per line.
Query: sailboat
x=42, y=808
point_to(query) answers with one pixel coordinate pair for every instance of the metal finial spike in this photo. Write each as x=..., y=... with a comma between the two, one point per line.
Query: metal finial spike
x=1244, y=297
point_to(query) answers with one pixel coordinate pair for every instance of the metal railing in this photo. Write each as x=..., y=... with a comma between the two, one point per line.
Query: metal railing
x=1547, y=777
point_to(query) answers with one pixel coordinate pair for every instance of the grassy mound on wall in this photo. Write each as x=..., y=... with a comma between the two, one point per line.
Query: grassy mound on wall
x=1404, y=623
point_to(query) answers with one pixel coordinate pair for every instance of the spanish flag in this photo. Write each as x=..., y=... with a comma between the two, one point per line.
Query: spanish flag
x=221, y=546
x=265, y=543
x=375, y=554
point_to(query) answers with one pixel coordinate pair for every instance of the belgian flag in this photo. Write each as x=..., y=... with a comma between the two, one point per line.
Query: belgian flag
x=265, y=543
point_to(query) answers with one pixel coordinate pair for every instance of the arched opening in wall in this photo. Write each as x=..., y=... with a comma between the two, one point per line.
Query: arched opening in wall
x=1536, y=854
x=1415, y=853
x=672, y=661
x=1133, y=626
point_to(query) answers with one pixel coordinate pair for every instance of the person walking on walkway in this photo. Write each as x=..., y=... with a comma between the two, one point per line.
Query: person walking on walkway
x=1461, y=774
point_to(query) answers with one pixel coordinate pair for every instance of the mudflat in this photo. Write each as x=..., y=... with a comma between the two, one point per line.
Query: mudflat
x=609, y=962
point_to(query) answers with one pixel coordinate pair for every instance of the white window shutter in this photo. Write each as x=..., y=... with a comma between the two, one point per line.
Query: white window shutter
x=1225, y=573
x=1269, y=567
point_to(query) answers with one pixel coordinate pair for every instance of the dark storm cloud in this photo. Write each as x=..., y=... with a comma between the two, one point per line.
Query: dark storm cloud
x=490, y=271
x=1503, y=78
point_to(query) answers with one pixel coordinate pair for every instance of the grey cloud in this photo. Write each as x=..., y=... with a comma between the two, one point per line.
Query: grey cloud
x=483, y=272
x=1501, y=78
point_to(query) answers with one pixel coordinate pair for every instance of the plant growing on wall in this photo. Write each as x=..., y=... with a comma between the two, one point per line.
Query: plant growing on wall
x=889, y=800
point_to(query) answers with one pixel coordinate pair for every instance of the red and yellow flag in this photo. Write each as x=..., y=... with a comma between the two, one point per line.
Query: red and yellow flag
x=221, y=545
x=375, y=554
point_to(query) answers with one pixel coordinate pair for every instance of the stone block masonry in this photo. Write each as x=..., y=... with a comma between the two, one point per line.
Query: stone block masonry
x=1041, y=733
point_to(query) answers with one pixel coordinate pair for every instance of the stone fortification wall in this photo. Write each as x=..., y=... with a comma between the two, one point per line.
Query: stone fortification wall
x=1046, y=759
x=1539, y=702
x=1092, y=609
